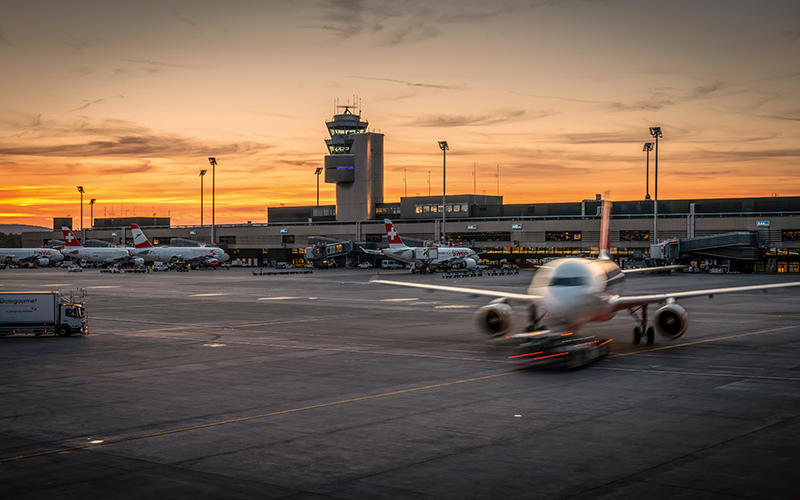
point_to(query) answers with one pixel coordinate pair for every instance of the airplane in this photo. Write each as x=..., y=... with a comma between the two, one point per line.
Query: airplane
x=567, y=293
x=102, y=255
x=425, y=258
x=204, y=256
x=40, y=256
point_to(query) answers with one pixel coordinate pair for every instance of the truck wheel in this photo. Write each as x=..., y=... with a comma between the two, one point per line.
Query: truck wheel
x=63, y=331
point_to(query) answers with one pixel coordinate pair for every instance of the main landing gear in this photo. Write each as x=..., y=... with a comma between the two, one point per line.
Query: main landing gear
x=642, y=330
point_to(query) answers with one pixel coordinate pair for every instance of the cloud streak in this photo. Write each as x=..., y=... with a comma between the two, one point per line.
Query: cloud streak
x=507, y=116
x=120, y=96
x=414, y=84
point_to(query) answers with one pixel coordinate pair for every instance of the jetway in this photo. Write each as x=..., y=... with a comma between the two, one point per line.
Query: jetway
x=741, y=245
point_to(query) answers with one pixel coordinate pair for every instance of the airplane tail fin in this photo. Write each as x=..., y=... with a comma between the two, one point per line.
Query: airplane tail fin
x=69, y=239
x=605, y=227
x=139, y=239
x=392, y=235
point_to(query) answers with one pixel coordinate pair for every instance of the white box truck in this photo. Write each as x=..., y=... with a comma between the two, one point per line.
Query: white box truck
x=41, y=313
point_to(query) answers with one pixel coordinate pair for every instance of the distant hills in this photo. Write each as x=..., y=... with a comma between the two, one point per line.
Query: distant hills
x=21, y=228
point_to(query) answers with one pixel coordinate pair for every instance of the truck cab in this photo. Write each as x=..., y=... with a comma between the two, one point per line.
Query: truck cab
x=73, y=320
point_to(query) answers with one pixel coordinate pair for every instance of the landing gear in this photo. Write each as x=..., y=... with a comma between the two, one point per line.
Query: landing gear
x=642, y=330
x=534, y=325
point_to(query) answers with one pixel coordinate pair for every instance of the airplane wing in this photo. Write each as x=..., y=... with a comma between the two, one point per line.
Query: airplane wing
x=371, y=252
x=638, y=300
x=652, y=269
x=472, y=292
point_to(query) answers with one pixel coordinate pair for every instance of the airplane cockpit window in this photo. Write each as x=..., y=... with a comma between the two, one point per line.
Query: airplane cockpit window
x=568, y=281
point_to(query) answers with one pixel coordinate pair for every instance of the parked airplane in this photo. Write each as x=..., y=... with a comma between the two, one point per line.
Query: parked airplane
x=102, y=255
x=425, y=258
x=204, y=256
x=40, y=256
x=568, y=293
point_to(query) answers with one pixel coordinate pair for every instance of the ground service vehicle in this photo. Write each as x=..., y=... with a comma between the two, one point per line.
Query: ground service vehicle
x=41, y=313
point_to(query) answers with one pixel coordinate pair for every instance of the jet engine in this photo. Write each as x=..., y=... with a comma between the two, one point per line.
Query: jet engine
x=470, y=263
x=44, y=262
x=671, y=321
x=212, y=262
x=138, y=261
x=495, y=319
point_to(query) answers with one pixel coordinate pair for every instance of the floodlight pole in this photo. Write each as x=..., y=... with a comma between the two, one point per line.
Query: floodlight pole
x=317, y=172
x=83, y=236
x=213, y=162
x=444, y=147
x=202, y=175
x=91, y=213
x=648, y=146
x=655, y=132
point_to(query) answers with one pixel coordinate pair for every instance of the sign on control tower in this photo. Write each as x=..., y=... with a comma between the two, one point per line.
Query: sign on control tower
x=354, y=164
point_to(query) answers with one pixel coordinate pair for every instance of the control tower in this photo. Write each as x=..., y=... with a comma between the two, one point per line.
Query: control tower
x=355, y=165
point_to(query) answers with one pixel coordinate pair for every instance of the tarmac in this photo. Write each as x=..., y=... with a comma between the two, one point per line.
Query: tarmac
x=222, y=384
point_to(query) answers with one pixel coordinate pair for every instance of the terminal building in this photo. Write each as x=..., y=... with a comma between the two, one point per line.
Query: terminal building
x=746, y=234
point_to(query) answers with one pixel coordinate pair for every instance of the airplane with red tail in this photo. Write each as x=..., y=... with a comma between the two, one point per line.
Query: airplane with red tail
x=202, y=256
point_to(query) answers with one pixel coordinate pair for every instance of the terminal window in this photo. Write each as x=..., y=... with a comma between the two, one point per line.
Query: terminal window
x=287, y=238
x=387, y=211
x=634, y=235
x=471, y=236
x=562, y=236
x=374, y=238
x=324, y=212
x=790, y=235
x=437, y=209
x=228, y=240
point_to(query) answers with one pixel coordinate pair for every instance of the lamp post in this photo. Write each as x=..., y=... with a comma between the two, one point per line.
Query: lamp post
x=317, y=172
x=648, y=146
x=444, y=147
x=656, y=133
x=213, y=162
x=83, y=237
x=202, y=174
x=91, y=213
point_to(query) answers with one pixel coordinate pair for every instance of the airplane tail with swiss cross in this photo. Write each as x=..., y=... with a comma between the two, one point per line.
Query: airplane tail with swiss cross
x=69, y=239
x=139, y=239
x=392, y=235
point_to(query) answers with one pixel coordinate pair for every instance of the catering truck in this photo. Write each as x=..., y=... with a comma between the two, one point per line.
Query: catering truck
x=42, y=313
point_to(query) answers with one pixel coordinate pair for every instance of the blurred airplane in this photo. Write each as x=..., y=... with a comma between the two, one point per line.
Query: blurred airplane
x=39, y=256
x=425, y=258
x=102, y=255
x=203, y=256
x=567, y=293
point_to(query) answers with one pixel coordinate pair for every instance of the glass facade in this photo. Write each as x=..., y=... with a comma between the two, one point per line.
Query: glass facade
x=562, y=236
x=460, y=208
x=634, y=236
x=790, y=235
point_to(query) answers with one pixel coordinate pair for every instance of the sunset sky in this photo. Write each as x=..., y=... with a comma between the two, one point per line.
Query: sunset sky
x=128, y=99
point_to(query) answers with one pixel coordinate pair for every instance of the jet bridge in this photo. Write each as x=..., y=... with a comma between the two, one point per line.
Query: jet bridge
x=741, y=245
